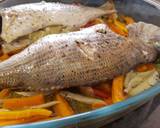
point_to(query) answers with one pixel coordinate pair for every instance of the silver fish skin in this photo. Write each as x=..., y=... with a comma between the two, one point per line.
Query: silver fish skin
x=80, y=58
x=148, y=33
x=23, y=19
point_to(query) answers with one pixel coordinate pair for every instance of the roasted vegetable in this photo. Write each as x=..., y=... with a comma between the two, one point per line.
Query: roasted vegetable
x=117, y=27
x=126, y=19
x=94, y=92
x=82, y=104
x=87, y=91
x=26, y=93
x=100, y=94
x=20, y=121
x=145, y=67
x=81, y=98
x=117, y=89
x=79, y=107
x=19, y=103
x=46, y=105
x=24, y=114
x=97, y=105
x=140, y=81
x=135, y=78
x=128, y=78
x=105, y=87
x=62, y=109
x=121, y=26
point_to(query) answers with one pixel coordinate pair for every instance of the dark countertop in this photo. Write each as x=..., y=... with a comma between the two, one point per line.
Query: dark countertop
x=154, y=120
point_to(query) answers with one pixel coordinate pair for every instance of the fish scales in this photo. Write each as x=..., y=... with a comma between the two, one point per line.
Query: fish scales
x=85, y=57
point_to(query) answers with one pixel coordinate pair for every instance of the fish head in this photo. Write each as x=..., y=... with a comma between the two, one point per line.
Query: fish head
x=147, y=33
x=148, y=37
x=144, y=31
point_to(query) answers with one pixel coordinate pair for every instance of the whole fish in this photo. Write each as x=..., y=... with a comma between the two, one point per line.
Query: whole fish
x=79, y=58
x=24, y=19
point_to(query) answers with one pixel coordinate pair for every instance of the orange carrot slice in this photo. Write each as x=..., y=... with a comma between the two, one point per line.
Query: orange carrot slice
x=116, y=29
x=145, y=67
x=18, y=103
x=23, y=114
x=62, y=108
x=117, y=89
x=97, y=105
x=21, y=121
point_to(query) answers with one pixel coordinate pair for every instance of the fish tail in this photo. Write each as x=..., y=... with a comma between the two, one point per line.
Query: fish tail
x=109, y=7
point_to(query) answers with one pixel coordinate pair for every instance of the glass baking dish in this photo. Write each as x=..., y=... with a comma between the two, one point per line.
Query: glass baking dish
x=141, y=10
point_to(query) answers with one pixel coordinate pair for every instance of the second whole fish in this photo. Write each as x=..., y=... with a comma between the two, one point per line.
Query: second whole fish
x=86, y=57
x=21, y=20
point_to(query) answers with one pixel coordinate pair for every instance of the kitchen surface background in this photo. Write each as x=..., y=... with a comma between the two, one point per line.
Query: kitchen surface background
x=154, y=120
